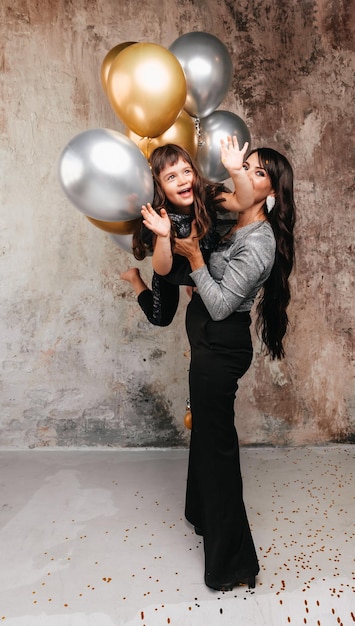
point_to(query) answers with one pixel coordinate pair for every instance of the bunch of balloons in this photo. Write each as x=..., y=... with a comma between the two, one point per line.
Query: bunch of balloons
x=162, y=96
x=208, y=69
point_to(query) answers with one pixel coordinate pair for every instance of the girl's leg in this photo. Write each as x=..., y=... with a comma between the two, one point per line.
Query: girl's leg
x=160, y=303
x=132, y=276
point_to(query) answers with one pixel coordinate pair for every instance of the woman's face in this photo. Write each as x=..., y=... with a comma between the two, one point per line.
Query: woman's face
x=259, y=178
x=176, y=181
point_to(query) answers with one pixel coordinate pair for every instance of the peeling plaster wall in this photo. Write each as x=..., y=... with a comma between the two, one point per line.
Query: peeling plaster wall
x=80, y=365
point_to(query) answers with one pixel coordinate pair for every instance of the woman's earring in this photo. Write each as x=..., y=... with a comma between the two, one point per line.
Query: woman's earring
x=270, y=203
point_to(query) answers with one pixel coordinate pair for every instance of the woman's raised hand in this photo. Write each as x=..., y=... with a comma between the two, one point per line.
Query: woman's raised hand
x=232, y=156
x=159, y=224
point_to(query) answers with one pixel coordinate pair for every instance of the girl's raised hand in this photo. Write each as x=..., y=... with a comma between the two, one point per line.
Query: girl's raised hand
x=232, y=156
x=159, y=224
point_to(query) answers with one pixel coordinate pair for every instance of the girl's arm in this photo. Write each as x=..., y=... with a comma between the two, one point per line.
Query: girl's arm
x=160, y=225
x=233, y=158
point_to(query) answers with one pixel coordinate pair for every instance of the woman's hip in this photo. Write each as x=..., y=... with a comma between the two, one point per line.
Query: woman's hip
x=226, y=336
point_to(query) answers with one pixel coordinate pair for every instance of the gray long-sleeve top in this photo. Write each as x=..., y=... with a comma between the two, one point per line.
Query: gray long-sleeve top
x=236, y=270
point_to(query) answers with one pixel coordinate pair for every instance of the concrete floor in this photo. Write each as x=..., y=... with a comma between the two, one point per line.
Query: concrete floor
x=98, y=538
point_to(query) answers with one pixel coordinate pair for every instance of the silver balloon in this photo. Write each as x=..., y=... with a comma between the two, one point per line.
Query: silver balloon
x=215, y=127
x=123, y=241
x=208, y=70
x=105, y=175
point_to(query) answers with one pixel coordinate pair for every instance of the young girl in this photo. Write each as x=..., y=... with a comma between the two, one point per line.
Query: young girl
x=256, y=255
x=181, y=195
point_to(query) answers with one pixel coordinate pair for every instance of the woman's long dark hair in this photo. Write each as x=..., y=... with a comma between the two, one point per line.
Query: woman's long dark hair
x=204, y=192
x=272, y=320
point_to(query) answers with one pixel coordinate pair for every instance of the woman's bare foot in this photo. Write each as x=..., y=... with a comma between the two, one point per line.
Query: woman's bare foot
x=132, y=276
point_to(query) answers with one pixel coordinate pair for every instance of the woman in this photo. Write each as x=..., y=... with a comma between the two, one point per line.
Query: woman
x=181, y=194
x=256, y=254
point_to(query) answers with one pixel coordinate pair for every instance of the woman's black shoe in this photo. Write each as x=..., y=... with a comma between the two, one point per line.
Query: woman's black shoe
x=250, y=581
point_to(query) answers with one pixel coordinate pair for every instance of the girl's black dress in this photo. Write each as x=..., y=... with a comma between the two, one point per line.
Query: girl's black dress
x=159, y=304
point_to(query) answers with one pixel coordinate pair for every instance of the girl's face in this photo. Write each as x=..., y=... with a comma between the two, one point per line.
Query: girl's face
x=176, y=181
x=259, y=178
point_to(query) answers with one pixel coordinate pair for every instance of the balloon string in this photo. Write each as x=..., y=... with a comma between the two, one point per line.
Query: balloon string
x=201, y=141
x=144, y=148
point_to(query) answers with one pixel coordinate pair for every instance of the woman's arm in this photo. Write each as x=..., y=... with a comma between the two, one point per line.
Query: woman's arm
x=189, y=247
x=233, y=158
x=160, y=225
x=243, y=271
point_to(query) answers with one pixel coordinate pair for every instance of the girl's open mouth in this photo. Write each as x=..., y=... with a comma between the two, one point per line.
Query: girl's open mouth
x=185, y=191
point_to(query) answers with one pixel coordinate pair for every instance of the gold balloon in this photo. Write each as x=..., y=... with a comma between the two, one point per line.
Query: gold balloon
x=182, y=132
x=146, y=87
x=118, y=228
x=108, y=60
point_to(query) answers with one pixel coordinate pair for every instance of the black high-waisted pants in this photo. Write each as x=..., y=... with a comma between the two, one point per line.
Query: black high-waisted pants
x=221, y=352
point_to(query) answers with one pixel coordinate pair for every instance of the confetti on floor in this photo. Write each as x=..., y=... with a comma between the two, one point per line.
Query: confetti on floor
x=98, y=538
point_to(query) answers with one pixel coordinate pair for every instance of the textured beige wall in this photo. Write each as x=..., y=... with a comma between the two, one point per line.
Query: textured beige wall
x=80, y=365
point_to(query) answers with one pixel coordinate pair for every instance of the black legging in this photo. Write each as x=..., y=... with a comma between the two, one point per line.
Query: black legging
x=160, y=303
x=221, y=352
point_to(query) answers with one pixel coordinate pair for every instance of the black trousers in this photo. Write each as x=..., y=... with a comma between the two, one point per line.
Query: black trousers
x=221, y=352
